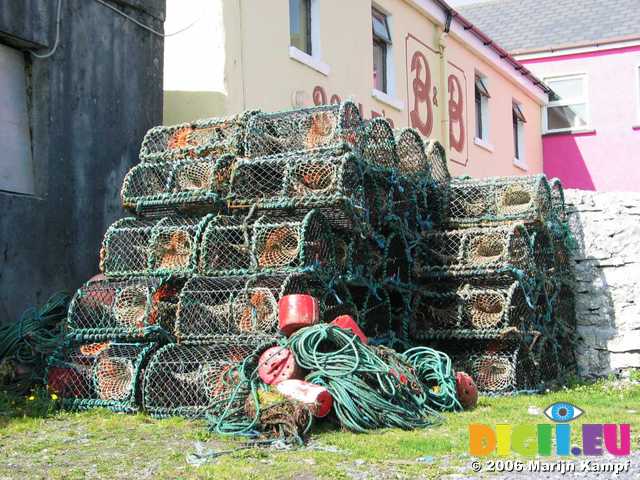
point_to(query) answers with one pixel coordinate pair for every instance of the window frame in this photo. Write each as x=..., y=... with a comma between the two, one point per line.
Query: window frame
x=308, y=39
x=637, y=88
x=584, y=99
x=482, y=118
x=313, y=61
x=518, y=120
x=388, y=83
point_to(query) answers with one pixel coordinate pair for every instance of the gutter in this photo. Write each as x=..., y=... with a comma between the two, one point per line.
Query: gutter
x=570, y=46
x=502, y=53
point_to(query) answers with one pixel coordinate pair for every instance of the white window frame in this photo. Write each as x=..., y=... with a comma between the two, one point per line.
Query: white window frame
x=521, y=161
x=569, y=101
x=314, y=60
x=388, y=97
x=484, y=115
x=637, y=88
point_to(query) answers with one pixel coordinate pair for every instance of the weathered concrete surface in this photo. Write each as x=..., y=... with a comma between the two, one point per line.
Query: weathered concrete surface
x=607, y=267
x=91, y=103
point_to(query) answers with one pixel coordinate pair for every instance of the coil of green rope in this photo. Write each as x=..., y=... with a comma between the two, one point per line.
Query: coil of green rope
x=31, y=339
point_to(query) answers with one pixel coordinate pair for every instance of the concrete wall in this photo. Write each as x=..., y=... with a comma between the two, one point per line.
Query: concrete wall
x=607, y=268
x=90, y=105
x=604, y=155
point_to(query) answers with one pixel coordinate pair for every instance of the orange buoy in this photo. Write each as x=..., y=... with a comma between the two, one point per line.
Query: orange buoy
x=348, y=323
x=317, y=398
x=277, y=364
x=297, y=311
x=466, y=390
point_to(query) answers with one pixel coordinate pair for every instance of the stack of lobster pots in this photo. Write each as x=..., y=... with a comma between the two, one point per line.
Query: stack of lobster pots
x=496, y=281
x=230, y=215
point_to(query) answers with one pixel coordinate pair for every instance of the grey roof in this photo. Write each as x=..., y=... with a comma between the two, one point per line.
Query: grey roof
x=521, y=25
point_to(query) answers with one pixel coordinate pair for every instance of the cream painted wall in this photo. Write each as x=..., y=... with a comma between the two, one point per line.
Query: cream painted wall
x=258, y=72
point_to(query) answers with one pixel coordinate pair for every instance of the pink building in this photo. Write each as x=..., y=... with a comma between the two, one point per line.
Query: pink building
x=588, y=52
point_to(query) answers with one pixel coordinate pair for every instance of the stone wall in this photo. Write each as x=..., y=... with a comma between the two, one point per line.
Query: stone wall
x=607, y=269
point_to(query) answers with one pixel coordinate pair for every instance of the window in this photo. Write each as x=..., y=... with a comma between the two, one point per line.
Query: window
x=300, y=25
x=482, y=108
x=567, y=109
x=16, y=163
x=518, y=133
x=381, y=46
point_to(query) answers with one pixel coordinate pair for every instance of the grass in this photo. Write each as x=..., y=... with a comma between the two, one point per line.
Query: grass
x=35, y=439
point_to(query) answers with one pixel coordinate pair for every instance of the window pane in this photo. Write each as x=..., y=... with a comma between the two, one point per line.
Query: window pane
x=569, y=116
x=300, y=24
x=380, y=66
x=481, y=87
x=478, y=115
x=515, y=135
x=380, y=26
x=567, y=87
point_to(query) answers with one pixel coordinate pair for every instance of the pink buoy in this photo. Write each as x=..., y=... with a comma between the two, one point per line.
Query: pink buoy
x=348, y=323
x=297, y=311
x=317, y=398
x=277, y=364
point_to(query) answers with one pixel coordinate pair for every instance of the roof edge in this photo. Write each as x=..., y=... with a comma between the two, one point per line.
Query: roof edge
x=570, y=46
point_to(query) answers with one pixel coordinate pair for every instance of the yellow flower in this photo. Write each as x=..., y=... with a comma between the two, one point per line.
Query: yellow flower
x=54, y=396
x=31, y=398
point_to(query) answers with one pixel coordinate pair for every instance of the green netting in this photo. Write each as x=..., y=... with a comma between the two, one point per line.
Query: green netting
x=182, y=187
x=105, y=374
x=186, y=379
x=470, y=310
x=236, y=305
x=168, y=246
x=134, y=308
x=199, y=139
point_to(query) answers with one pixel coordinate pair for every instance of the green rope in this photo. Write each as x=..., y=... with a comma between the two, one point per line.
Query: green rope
x=29, y=341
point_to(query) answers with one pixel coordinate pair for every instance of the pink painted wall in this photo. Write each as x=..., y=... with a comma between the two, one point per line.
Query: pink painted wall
x=607, y=157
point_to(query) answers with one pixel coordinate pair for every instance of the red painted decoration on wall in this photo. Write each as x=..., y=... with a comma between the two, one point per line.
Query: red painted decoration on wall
x=456, y=110
x=421, y=85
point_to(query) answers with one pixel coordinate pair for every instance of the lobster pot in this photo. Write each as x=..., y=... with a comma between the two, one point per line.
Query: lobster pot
x=168, y=246
x=412, y=156
x=301, y=130
x=226, y=247
x=132, y=308
x=240, y=305
x=186, y=380
x=378, y=145
x=473, y=202
x=437, y=158
x=479, y=252
x=470, y=310
x=392, y=259
x=185, y=187
x=199, y=139
x=354, y=255
x=558, y=206
x=374, y=312
x=322, y=179
x=105, y=374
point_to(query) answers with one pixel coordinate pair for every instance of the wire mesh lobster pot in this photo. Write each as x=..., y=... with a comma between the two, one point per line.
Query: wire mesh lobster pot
x=240, y=246
x=470, y=310
x=412, y=155
x=378, y=145
x=558, y=206
x=480, y=252
x=473, y=202
x=302, y=130
x=127, y=309
x=186, y=187
x=236, y=305
x=323, y=179
x=168, y=246
x=184, y=380
x=199, y=139
x=391, y=259
x=105, y=374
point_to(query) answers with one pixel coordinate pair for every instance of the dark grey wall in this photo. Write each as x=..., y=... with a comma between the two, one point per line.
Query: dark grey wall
x=91, y=103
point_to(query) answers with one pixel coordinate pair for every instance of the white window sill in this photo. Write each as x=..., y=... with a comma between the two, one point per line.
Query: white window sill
x=521, y=164
x=570, y=131
x=483, y=144
x=388, y=99
x=309, y=61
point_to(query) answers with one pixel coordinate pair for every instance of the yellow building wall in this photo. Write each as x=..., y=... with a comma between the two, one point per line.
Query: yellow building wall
x=259, y=72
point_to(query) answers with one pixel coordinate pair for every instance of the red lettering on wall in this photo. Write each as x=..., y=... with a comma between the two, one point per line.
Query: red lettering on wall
x=319, y=95
x=421, y=88
x=456, y=109
x=335, y=99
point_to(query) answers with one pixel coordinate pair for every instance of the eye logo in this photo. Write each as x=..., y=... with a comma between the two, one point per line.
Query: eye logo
x=562, y=412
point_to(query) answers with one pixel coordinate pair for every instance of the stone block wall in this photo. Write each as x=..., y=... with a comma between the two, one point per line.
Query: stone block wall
x=607, y=272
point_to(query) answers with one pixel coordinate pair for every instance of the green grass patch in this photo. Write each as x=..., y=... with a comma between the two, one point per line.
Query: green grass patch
x=35, y=437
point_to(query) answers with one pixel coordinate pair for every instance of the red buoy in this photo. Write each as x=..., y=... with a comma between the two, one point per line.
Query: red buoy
x=348, y=323
x=466, y=390
x=317, y=398
x=277, y=364
x=297, y=311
